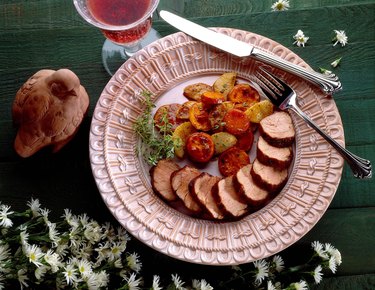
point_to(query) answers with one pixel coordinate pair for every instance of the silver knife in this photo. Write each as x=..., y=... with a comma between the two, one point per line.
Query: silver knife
x=328, y=83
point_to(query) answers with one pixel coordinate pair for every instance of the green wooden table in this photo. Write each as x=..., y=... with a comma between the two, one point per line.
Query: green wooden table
x=49, y=34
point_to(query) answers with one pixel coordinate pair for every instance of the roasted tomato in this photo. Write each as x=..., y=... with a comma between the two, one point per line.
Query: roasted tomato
x=232, y=160
x=200, y=147
x=245, y=141
x=167, y=113
x=236, y=122
x=198, y=117
x=212, y=98
x=244, y=93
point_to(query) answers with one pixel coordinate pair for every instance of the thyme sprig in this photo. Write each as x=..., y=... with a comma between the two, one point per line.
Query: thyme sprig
x=156, y=144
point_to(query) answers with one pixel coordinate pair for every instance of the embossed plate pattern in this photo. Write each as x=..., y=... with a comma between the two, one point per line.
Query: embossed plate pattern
x=164, y=68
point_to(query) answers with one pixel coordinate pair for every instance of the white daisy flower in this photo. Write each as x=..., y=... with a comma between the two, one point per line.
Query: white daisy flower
x=301, y=285
x=336, y=62
x=270, y=286
x=337, y=256
x=22, y=278
x=261, y=268
x=340, y=37
x=84, y=267
x=70, y=274
x=40, y=272
x=93, y=232
x=45, y=212
x=278, y=262
x=134, y=262
x=116, y=250
x=317, y=274
x=318, y=248
x=280, y=5
x=53, y=259
x=133, y=283
x=118, y=264
x=34, y=254
x=4, y=252
x=325, y=71
x=102, y=278
x=201, y=285
x=34, y=205
x=178, y=283
x=156, y=283
x=53, y=234
x=300, y=38
x=4, y=220
x=332, y=265
x=71, y=219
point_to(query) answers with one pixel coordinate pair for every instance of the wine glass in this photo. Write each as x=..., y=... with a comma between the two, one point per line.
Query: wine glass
x=126, y=24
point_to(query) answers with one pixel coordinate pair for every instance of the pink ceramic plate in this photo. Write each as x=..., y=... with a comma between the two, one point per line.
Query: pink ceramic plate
x=164, y=68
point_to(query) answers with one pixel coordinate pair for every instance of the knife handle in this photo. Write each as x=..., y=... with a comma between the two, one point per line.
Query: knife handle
x=328, y=83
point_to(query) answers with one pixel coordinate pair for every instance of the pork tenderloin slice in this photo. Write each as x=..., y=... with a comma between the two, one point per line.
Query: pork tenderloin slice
x=250, y=191
x=201, y=188
x=228, y=198
x=268, y=177
x=277, y=129
x=180, y=180
x=160, y=179
x=279, y=157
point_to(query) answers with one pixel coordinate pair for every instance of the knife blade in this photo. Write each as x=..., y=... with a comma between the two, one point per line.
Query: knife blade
x=329, y=83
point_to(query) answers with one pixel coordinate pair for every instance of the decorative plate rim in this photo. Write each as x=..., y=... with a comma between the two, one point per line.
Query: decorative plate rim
x=123, y=184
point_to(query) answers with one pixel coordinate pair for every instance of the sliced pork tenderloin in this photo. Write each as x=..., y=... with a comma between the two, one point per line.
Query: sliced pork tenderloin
x=160, y=179
x=201, y=189
x=268, y=177
x=278, y=157
x=180, y=180
x=250, y=191
x=277, y=129
x=228, y=198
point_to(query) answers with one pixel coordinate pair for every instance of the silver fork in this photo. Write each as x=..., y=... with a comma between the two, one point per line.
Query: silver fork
x=284, y=97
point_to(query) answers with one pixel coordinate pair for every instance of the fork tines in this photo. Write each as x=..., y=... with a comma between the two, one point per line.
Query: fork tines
x=271, y=86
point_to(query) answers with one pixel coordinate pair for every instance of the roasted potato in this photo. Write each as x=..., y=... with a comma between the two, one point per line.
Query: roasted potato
x=179, y=137
x=165, y=117
x=223, y=141
x=259, y=110
x=183, y=112
x=225, y=83
x=195, y=91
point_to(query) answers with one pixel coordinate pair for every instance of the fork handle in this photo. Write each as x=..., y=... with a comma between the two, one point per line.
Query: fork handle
x=359, y=166
x=328, y=83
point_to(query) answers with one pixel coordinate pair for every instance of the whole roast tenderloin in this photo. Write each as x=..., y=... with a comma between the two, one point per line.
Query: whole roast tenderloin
x=48, y=110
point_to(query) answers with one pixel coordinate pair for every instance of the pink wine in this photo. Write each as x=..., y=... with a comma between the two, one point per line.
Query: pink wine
x=119, y=13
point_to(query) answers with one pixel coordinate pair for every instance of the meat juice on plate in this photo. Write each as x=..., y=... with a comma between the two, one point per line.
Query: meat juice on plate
x=122, y=13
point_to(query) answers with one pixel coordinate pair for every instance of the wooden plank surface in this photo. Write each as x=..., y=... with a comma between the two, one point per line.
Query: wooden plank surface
x=49, y=34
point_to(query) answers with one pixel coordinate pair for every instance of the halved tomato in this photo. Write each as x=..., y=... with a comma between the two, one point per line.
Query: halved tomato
x=200, y=147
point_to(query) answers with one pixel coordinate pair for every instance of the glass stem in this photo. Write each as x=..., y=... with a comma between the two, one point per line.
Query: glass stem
x=129, y=51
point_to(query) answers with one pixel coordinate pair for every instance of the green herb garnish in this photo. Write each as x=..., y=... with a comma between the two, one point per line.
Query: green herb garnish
x=156, y=145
